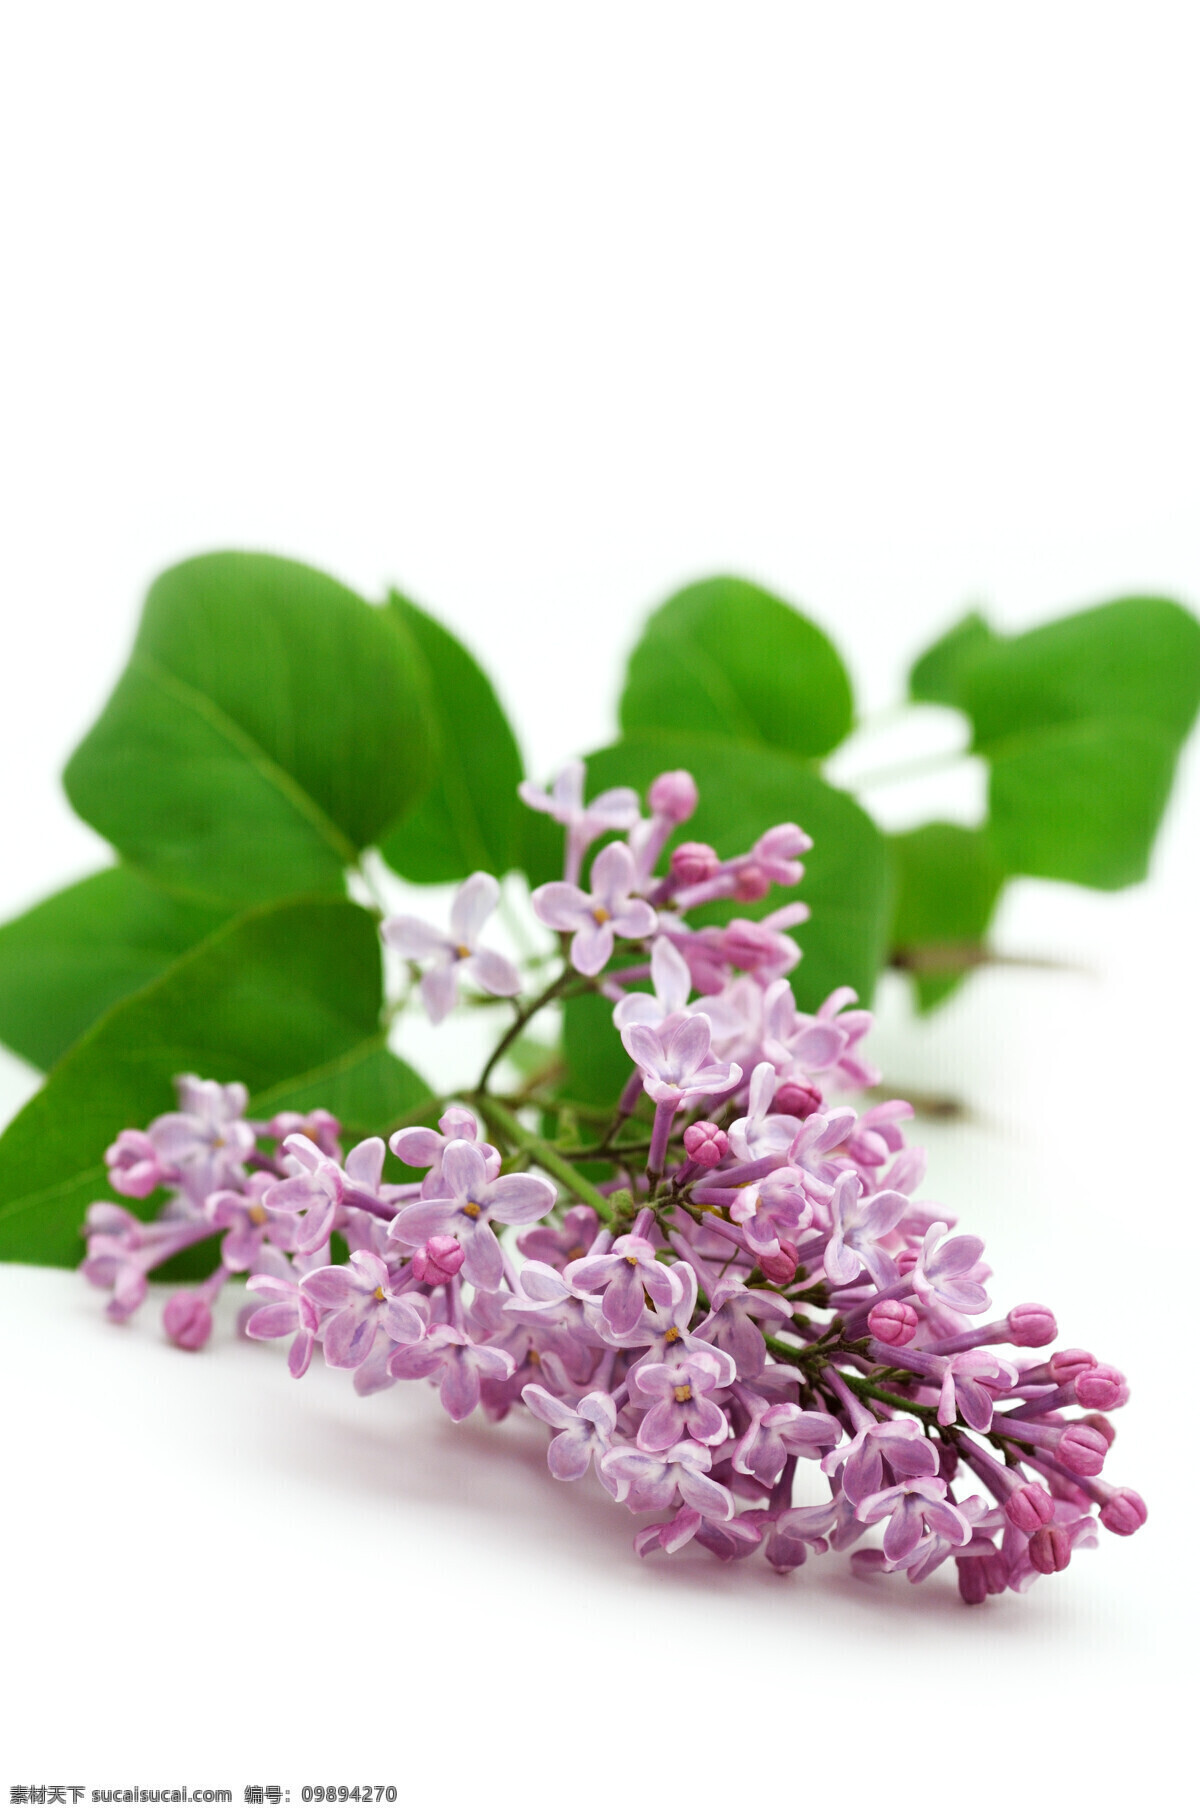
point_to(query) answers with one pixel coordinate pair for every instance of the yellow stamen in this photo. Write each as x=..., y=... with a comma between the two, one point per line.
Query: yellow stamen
x=600, y=916
x=256, y=1214
x=379, y=1294
x=671, y=1335
x=683, y=1392
x=471, y=1209
x=463, y=952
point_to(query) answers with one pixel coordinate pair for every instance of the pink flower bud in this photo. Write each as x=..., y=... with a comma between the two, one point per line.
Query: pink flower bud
x=187, y=1319
x=907, y=1260
x=972, y=1581
x=1081, y=1448
x=693, y=863
x=706, y=1144
x=438, y=1261
x=674, y=795
x=1032, y=1325
x=893, y=1321
x=797, y=1098
x=1066, y=1365
x=1030, y=1508
x=1101, y=1425
x=780, y=1269
x=750, y=884
x=133, y=1165
x=1100, y=1386
x=1050, y=1549
x=1124, y=1512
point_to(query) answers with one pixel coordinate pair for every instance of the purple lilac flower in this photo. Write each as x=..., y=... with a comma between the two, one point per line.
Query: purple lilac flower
x=471, y=1201
x=456, y=1363
x=680, y=1398
x=134, y=1165
x=970, y=1382
x=943, y=1272
x=639, y=1325
x=679, y=1066
x=912, y=1507
x=772, y=1211
x=360, y=1297
x=457, y=953
x=616, y=810
x=759, y=1133
x=625, y=1276
x=899, y=1444
x=585, y=1436
x=735, y=1323
x=205, y=1142
x=313, y=1192
x=289, y=1309
x=250, y=1224
x=858, y=1227
x=653, y=1482
x=572, y=1240
x=777, y=1432
x=122, y=1250
x=672, y=981
x=596, y=918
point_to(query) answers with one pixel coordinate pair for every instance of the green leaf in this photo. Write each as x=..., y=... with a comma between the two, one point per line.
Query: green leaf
x=947, y=883
x=468, y=819
x=597, y=1066
x=1081, y=721
x=284, y=993
x=723, y=658
x=1082, y=802
x=270, y=724
x=743, y=791
x=68, y=959
x=369, y=1089
x=1133, y=659
x=938, y=674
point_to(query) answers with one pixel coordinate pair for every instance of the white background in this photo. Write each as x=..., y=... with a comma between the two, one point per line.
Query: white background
x=539, y=311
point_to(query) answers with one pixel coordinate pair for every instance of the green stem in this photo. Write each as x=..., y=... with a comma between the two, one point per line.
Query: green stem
x=553, y=989
x=544, y=1154
x=866, y=1391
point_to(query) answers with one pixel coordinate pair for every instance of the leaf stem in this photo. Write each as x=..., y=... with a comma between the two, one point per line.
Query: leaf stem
x=544, y=1154
x=554, y=989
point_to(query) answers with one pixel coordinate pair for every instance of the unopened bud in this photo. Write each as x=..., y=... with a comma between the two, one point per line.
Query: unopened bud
x=438, y=1261
x=750, y=884
x=1124, y=1512
x=797, y=1098
x=706, y=1143
x=1032, y=1325
x=1100, y=1386
x=894, y=1322
x=972, y=1581
x=1050, y=1549
x=1101, y=1425
x=693, y=863
x=1030, y=1508
x=1066, y=1365
x=133, y=1164
x=187, y=1320
x=781, y=1268
x=674, y=795
x=1082, y=1449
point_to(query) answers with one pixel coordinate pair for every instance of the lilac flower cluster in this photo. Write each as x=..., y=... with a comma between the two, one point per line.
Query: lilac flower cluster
x=754, y=1281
